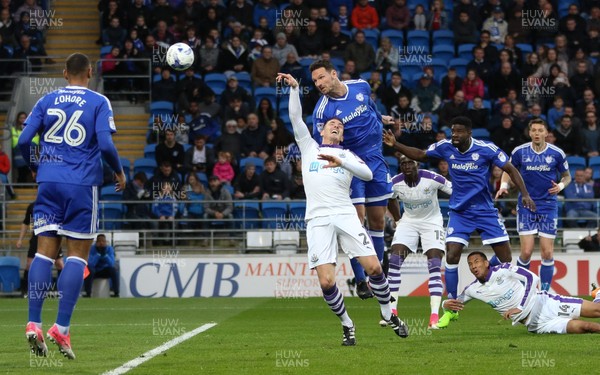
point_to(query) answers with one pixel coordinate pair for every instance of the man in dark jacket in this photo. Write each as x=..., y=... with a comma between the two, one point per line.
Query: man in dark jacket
x=219, y=205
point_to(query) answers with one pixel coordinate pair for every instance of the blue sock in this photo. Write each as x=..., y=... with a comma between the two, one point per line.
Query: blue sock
x=546, y=273
x=452, y=280
x=521, y=263
x=378, y=243
x=69, y=288
x=359, y=271
x=494, y=261
x=40, y=282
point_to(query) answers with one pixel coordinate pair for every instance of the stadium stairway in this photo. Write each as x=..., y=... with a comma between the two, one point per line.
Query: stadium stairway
x=74, y=26
x=131, y=122
x=14, y=217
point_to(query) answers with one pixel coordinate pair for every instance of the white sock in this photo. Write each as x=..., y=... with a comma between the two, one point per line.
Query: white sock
x=435, y=302
x=394, y=304
x=346, y=321
x=62, y=330
x=386, y=311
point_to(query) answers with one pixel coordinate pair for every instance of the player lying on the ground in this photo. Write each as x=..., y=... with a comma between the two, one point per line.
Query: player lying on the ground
x=328, y=170
x=422, y=219
x=513, y=292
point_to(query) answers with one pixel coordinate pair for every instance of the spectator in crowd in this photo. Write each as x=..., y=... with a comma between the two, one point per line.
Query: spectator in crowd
x=402, y=110
x=137, y=8
x=497, y=26
x=235, y=109
x=254, y=138
x=419, y=21
x=264, y=69
x=36, y=13
x=24, y=174
x=567, y=137
x=170, y=151
x=101, y=265
x=223, y=168
x=164, y=209
x=165, y=89
x=234, y=89
x=478, y=114
x=27, y=51
x=219, y=203
x=165, y=175
x=265, y=112
x=582, y=79
x=507, y=137
x=350, y=71
x=194, y=207
x=397, y=15
x=141, y=28
x=208, y=105
x=138, y=213
x=482, y=67
x=472, y=86
x=282, y=48
x=247, y=184
x=547, y=63
x=490, y=52
x=361, y=52
x=241, y=11
x=25, y=27
x=590, y=242
x=297, y=187
x=438, y=17
x=202, y=123
x=452, y=109
x=590, y=135
x=465, y=30
x=209, y=56
x=426, y=97
x=580, y=56
x=190, y=87
x=234, y=58
x=161, y=11
x=311, y=42
x=556, y=112
x=451, y=83
x=336, y=42
x=387, y=57
x=230, y=140
x=279, y=137
x=588, y=98
x=532, y=65
x=581, y=211
x=274, y=182
x=594, y=42
x=7, y=27
x=504, y=80
x=512, y=48
x=114, y=34
x=364, y=16
x=516, y=29
x=199, y=159
x=293, y=67
x=506, y=110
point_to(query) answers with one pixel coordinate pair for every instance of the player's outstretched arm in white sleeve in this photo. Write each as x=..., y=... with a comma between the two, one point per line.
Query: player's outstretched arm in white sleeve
x=301, y=132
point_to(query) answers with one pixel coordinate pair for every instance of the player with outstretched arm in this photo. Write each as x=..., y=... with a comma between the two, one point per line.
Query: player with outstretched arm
x=471, y=205
x=75, y=126
x=327, y=170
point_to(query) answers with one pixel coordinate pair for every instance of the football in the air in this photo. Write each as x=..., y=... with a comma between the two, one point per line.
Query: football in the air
x=180, y=56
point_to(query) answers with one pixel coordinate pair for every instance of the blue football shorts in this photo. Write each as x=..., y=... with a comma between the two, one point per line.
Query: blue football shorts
x=543, y=221
x=377, y=191
x=488, y=223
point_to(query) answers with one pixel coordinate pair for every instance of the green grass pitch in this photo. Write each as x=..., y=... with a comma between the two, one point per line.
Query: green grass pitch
x=287, y=336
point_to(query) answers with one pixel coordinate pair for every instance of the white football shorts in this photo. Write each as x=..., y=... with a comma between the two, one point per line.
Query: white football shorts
x=432, y=235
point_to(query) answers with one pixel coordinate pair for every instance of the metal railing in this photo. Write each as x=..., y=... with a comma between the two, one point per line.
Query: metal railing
x=10, y=70
x=127, y=83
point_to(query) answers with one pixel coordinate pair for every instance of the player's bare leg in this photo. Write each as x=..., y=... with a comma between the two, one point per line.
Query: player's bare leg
x=39, y=283
x=360, y=279
x=547, y=267
x=588, y=310
x=381, y=290
x=527, y=244
x=436, y=288
x=335, y=301
x=69, y=288
x=502, y=251
x=453, y=253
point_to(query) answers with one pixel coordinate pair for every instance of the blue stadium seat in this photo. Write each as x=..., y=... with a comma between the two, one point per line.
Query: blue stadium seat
x=105, y=50
x=408, y=71
x=412, y=4
x=392, y=162
x=247, y=215
x=297, y=214
x=126, y=164
x=145, y=165
x=258, y=162
x=418, y=38
x=444, y=52
x=216, y=81
x=575, y=163
x=460, y=65
x=244, y=80
x=443, y=37
x=274, y=214
x=372, y=37
x=111, y=213
x=481, y=133
x=440, y=68
x=525, y=48
x=395, y=36
x=10, y=279
x=594, y=163
x=108, y=193
x=465, y=51
x=150, y=151
x=161, y=107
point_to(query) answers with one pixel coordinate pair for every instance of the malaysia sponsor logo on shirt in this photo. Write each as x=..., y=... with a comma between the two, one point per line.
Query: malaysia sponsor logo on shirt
x=538, y=168
x=465, y=166
x=357, y=112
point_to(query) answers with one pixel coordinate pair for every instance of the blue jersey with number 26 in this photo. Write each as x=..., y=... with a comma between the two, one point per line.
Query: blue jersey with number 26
x=68, y=120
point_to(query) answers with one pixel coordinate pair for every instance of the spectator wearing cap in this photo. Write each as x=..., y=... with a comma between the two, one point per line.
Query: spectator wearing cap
x=219, y=204
x=282, y=48
x=274, y=183
x=360, y=52
x=230, y=140
x=265, y=69
x=426, y=96
x=247, y=184
x=199, y=159
x=496, y=25
x=336, y=42
x=234, y=89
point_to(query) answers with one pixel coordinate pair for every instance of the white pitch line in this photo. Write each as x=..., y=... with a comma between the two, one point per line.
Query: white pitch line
x=159, y=350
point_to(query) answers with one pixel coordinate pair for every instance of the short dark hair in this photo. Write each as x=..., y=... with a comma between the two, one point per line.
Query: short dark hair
x=477, y=252
x=271, y=159
x=397, y=74
x=77, y=64
x=141, y=176
x=462, y=120
x=537, y=121
x=322, y=64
